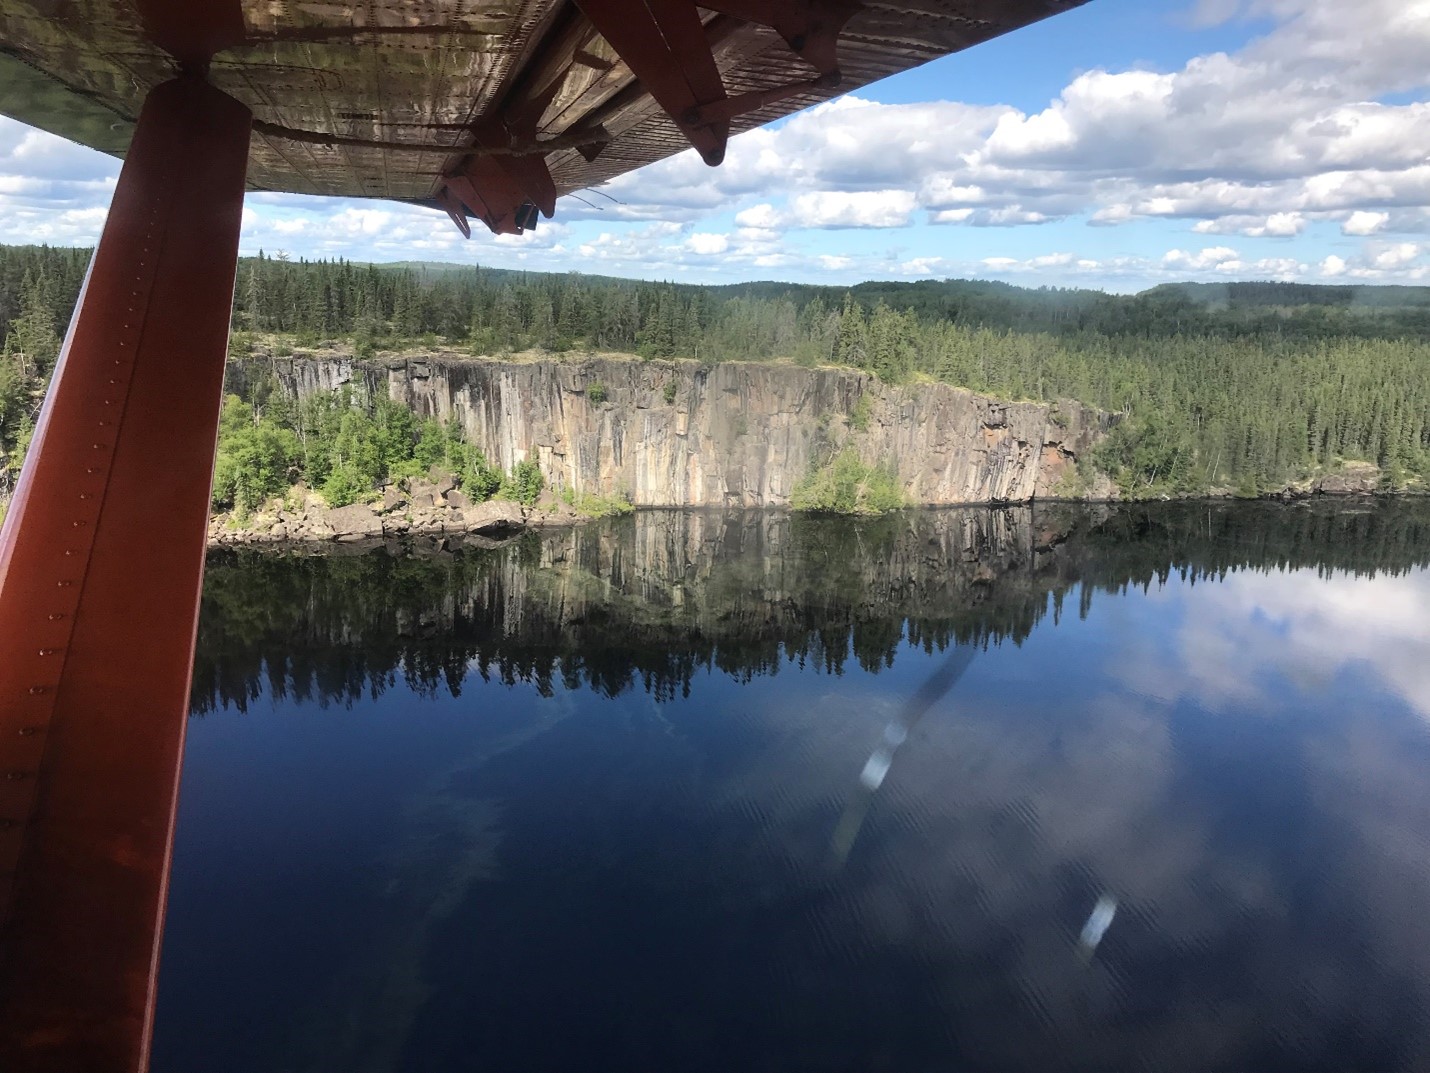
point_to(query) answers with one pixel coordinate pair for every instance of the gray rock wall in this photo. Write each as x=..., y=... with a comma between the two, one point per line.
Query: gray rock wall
x=735, y=435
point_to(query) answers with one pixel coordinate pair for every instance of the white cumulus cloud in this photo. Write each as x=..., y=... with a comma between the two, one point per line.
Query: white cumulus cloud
x=707, y=243
x=1263, y=143
x=838, y=209
x=1361, y=222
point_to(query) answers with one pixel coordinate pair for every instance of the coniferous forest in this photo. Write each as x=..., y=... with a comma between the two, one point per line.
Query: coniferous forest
x=1246, y=386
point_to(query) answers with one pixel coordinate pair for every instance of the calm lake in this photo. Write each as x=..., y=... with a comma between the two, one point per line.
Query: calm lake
x=1054, y=788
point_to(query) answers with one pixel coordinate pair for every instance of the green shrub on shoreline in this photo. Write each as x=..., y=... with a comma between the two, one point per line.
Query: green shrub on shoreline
x=523, y=483
x=590, y=505
x=845, y=485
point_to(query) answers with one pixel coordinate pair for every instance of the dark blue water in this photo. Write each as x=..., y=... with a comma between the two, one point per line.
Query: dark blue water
x=741, y=792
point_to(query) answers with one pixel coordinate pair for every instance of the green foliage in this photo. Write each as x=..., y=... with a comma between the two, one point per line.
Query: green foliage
x=845, y=485
x=590, y=505
x=892, y=342
x=597, y=393
x=255, y=458
x=31, y=348
x=1148, y=456
x=524, y=482
x=851, y=345
x=478, y=478
x=23, y=435
x=16, y=403
x=441, y=447
x=31, y=340
x=340, y=442
x=859, y=416
x=240, y=345
x=668, y=392
x=355, y=463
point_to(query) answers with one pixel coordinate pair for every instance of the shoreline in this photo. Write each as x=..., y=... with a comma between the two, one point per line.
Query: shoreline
x=496, y=522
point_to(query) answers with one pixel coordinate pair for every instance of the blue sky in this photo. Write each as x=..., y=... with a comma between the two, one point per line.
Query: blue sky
x=1118, y=145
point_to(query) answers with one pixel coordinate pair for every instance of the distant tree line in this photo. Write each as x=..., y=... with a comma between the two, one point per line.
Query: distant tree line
x=1243, y=386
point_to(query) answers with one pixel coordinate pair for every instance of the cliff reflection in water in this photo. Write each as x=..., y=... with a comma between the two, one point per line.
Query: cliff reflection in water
x=1184, y=830
x=646, y=602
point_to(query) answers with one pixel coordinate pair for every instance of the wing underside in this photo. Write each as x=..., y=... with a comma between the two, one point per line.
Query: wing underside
x=488, y=108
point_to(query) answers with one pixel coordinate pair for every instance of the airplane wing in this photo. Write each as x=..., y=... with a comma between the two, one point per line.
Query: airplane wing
x=490, y=109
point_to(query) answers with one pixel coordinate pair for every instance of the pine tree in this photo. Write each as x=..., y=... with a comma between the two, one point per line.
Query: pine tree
x=32, y=341
x=851, y=346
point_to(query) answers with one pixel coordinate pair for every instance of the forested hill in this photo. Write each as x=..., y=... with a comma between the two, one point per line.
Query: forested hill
x=1353, y=297
x=331, y=298
x=1221, y=309
x=1248, y=385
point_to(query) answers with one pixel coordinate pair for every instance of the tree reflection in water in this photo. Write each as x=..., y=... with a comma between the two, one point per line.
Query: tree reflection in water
x=645, y=602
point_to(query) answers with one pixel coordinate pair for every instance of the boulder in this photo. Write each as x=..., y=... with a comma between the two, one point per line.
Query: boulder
x=1355, y=479
x=457, y=500
x=355, y=522
x=392, y=498
x=495, y=517
x=425, y=522
x=554, y=513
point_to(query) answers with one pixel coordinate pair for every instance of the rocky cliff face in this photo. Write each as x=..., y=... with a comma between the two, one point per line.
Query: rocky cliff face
x=736, y=435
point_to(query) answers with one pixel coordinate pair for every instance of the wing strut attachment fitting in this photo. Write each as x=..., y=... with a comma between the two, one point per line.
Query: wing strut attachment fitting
x=664, y=42
x=504, y=180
